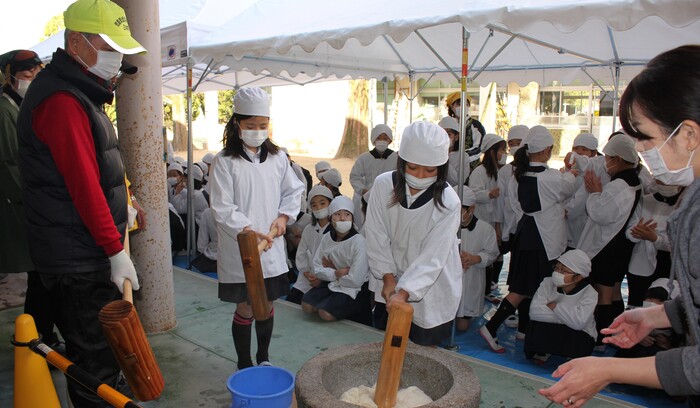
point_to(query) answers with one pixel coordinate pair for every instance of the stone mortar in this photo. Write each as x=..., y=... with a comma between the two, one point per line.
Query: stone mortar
x=446, y=379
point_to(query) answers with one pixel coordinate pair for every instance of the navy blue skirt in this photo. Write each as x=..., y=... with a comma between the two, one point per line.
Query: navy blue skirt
x=275, y=287
x=339, y=305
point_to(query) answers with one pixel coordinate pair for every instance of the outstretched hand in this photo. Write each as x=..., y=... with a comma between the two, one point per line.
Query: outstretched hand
x=581, y=379
x=630, y=328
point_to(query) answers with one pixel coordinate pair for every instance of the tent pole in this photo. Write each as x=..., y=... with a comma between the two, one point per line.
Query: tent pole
x=615, y=93
x=386, y=97
x=410, y=96
x=190, y=162
x=462, y=150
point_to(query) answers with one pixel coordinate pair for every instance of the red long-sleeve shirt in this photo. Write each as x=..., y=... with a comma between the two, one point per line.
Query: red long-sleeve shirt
x=61, y=123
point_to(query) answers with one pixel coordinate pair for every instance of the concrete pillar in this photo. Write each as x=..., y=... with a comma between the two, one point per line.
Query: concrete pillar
x=139, y=123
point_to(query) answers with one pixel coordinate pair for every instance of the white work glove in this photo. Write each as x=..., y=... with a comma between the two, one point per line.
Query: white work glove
x=123, y=268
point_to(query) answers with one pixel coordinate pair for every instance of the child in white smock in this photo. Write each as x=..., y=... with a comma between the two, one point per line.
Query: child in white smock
x=561, y=313
x=320, y=198
x=341, y=261
x=412, y=219
x=252, y=188
x=478, y=249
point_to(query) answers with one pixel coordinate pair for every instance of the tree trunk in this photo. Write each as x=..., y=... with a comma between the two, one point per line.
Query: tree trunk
x=179, y=123
x=356, y=132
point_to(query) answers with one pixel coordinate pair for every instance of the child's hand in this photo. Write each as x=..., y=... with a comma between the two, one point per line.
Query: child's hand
x=327, y=263
x=339, y=273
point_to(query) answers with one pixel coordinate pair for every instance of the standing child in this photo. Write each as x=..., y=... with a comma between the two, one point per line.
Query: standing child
x=478, y=249
x=540, y=237
x=320, y=198
x=253, y=188
x=609, y=208
x=451, y=126
x=371, y=164
x=484, y=182
x=651, y=256
x=340, y=260
x=412, y=217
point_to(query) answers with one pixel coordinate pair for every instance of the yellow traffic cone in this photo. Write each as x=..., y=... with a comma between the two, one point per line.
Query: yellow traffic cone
x=33, y=383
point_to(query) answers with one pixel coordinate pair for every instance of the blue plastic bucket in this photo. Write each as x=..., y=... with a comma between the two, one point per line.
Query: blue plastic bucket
x=261, y=387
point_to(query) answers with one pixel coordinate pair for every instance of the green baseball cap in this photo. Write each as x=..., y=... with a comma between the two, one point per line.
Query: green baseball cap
x=105, y=18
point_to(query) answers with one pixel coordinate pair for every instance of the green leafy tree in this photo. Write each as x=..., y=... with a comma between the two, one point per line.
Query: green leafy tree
x=54, y=25
x=225, y=105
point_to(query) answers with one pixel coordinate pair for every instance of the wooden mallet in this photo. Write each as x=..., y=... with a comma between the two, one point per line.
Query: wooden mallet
x=393, y=353
x=125, y=334
x=254, y=279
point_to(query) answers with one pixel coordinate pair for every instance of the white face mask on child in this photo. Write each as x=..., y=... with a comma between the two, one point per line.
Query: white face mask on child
x=558, y=279
x=381, y=145
x=342, y=226
x=420, y=183
x=321, y=214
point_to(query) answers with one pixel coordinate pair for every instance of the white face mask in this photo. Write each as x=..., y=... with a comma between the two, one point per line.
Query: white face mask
x=558, y=279
x=502, y=160
x=254, y=138
x=22, y=86
x=666, y=191
x=172, y=181
x=381, y=145
x=107, y=65
x=657, y=166
x=419, y=183
x=321, y=214
x=342, y=226
x=648, y=304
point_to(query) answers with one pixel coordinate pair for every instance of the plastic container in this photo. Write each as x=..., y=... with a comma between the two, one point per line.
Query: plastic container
x=261, y=387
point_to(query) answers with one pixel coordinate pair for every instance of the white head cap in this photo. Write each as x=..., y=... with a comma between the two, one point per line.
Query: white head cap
x=622, y=146
x=175, y=166
x=490, y=140
x=586, y=140
x=252, y=101
x=322, y=165
x=285, y=150
x=202, y=165
x=517, y=132
x=425, y=144
x=378, y=130
x=196, y=173
x=468, y=197
x=208, y=158
x=448, y=122
x=538, y=138
x=320, y=190
x=341, y=203
x=332, y=177
x=577, y=261
x=180, y=160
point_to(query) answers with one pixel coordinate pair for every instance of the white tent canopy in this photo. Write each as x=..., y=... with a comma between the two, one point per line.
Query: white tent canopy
x=276, y=42
x=536, y=40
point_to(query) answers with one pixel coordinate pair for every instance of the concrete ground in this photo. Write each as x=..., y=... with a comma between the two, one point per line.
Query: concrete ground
x=197, y=356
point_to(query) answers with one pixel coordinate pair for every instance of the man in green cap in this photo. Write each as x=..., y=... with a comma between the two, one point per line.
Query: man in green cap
x=74, y=186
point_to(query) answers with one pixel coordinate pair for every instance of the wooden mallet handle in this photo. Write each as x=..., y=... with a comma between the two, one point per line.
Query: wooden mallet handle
x=128, y=294
x=263, y=244
x=393, y=353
